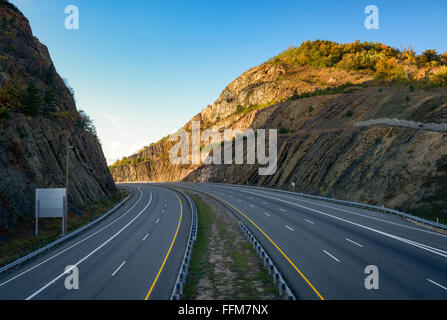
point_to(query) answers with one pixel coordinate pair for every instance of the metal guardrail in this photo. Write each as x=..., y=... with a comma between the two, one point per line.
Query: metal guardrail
x=405, y=123
x=177, y=292
x=284, y=290
x=358, y=205
x=60, y=240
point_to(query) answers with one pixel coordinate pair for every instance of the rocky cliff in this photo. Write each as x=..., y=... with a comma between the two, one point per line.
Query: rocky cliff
x=38, y=120
x=315, y=106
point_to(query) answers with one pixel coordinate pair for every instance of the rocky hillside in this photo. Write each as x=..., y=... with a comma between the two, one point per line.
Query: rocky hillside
x=38, y=120
x=314, y=95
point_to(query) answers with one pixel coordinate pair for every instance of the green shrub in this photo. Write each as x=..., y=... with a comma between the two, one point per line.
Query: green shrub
x=439, y=78
x=86, y=123
x=49, y=75
x=4, y=113
x=32, y=101
x=380, y=60
x=4, y=25
x=11, y=94
x=283, y=130
x=319, y=92
x=240, y=109
x=321, y=53
x=49, y=101
x=349, y=113
x=9, y=48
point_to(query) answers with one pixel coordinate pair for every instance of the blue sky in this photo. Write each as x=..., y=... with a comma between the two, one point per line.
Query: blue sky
x=142, y=69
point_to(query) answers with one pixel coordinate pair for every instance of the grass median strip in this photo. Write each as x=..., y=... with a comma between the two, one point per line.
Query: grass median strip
x=21, y=241
x=223, y=264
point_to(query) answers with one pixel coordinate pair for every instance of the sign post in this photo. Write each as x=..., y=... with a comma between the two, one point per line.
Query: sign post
x=51, y=203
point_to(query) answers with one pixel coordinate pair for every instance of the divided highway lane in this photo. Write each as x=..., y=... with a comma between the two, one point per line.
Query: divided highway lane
x=323, y=249
x=133, y=254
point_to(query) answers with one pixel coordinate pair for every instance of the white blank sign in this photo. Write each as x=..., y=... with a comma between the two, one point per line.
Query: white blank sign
x=51, y=202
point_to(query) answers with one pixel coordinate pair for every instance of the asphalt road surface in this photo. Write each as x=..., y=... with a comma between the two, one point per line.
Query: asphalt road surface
x=322, y=249
x=135, y=253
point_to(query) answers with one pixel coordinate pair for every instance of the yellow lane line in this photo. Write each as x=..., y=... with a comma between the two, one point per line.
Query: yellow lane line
x=169, y=251
x=276, y=246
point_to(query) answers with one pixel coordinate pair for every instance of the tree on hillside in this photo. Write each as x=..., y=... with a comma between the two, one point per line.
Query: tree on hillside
x=86, y=123
x=50, y=101
x=32, y=101
x=428, y=56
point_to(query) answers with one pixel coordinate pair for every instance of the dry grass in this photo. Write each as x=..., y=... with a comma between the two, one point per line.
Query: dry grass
x=223, y=264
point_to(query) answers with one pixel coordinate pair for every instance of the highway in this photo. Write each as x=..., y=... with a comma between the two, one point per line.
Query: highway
x=133, y=254
x=322, y=249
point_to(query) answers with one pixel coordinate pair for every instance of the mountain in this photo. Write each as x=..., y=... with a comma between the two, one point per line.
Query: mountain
x=315, y=95
x=38, y=120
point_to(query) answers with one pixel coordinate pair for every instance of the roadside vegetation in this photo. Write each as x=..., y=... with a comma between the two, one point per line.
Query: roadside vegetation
x=383, y=62
x=124, y=161
x=34, y=101
x=21, y=241
x=223, y=264
x=344, y=88
x=253, y=107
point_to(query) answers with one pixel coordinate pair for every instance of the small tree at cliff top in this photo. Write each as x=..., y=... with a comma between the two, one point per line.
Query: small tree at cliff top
x=86, y=123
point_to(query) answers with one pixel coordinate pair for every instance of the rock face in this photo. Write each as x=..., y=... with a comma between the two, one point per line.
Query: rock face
x=319, y=146
x=34, y=135
x=327, y=155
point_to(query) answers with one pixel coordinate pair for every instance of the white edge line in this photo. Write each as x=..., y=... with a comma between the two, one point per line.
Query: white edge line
x=91, y=253
x=316, y=202
x=413, y=243
x=77, y=243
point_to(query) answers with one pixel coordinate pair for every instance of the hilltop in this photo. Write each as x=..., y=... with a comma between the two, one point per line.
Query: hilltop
x=314, y=94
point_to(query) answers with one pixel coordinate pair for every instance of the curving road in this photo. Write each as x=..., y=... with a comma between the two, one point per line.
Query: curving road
x=322, y=249
x=135, y=253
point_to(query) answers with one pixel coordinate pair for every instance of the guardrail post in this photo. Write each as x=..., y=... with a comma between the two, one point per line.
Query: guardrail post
x=270, y=268
x=275, y=276
x=179, y=288
x=282, y=288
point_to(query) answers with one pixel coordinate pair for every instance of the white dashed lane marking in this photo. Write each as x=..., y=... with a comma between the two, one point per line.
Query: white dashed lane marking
x=330, y=255
x=357, y=244
x=116, y=271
